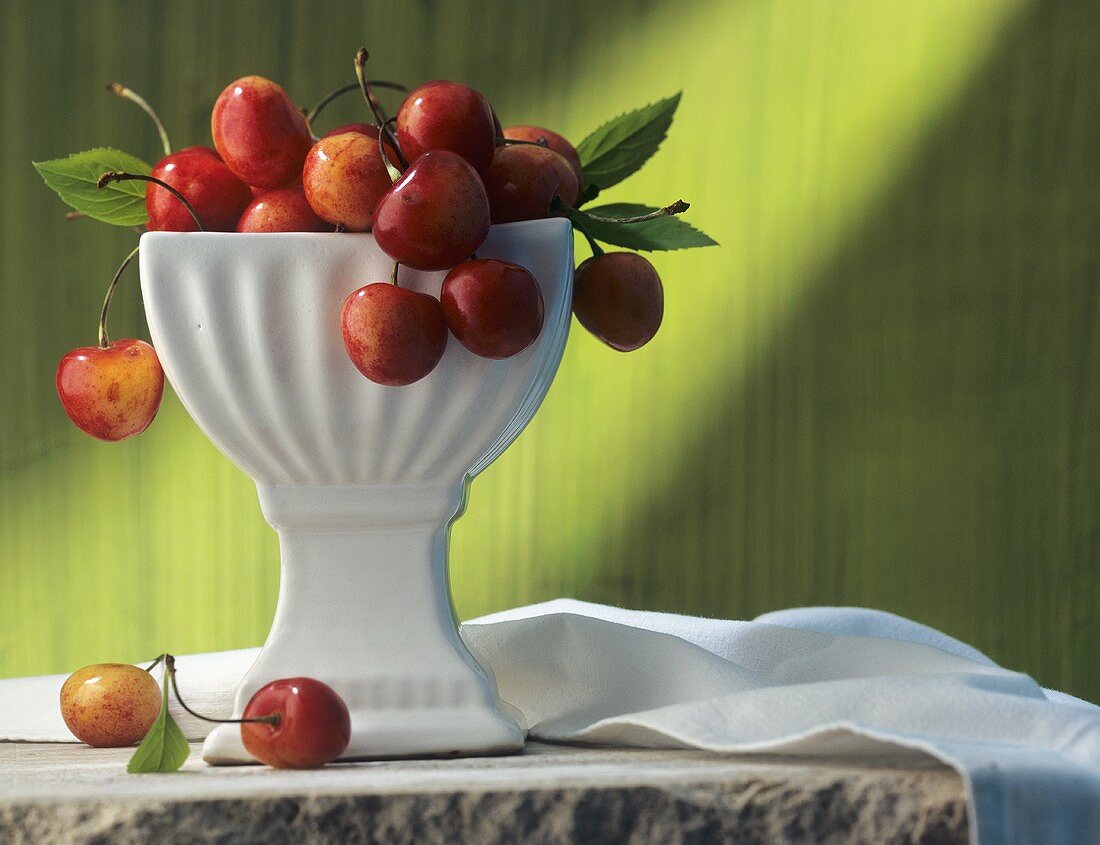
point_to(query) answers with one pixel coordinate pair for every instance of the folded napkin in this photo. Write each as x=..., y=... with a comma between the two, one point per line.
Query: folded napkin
x=814, y=682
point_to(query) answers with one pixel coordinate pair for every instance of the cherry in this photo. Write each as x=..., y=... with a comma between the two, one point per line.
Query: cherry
x=201, y=150
x=111, y=392
x=313, y=725
x=259, y=133
x=281, y=210
x=494, y=308
x=618, y=297
x=555, y=142
x=344, y=177
x=292, y=723
x=371, y=131
x=523, y=181
x=393, y=335
x=217, y=196
x=435, y=215
x=447, y=116
x=110, y=705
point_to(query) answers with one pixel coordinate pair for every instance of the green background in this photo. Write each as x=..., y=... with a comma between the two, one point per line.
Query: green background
x=881, y=390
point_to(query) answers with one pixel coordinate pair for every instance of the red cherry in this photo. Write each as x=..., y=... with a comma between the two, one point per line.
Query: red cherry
x=393, y=335
x=619, y=298
x=111, y=393
x=435, y=215
x=494, y=308
x=313, y=728
x=200, y=150
x=554, y=141
x=524, y=179
x=344, y=177
x=281, y=210
x=259, y=133
x=447, y=116
x=217, y=196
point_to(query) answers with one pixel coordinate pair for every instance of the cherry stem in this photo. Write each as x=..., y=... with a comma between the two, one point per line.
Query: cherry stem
x=104, y=340
x=575, y=214
x=596, y=248
x=393, y=172
x=580, y=218
x=154, y=664
x=170, y=668
x=379, y=118
x=393, y=273
x=112, y=176
x=352, y=86
x=121, y=90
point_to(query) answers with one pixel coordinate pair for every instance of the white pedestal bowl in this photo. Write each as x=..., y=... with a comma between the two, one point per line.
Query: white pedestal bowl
x=360, y=481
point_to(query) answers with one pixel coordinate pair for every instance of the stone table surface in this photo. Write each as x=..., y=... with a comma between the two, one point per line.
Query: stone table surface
x=74, y=794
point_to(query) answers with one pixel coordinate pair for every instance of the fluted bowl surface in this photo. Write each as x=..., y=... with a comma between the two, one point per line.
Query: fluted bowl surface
x=248, y=330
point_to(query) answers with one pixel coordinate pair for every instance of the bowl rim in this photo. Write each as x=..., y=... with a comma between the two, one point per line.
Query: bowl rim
x=544, y=222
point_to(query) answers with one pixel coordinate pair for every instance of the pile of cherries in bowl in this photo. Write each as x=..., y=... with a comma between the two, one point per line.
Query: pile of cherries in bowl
x=428, y=183
x=266, y=174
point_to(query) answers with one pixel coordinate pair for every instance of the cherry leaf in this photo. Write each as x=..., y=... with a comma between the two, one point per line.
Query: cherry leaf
x=164, y=748
x=622, y=145
x=661, y=233
x=74, y=179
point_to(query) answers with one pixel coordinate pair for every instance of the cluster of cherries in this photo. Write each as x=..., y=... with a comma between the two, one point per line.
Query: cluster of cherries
x=291, y=723
x=428, y=184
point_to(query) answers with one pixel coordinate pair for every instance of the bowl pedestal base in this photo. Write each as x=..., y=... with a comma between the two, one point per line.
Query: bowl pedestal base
x=364, y=605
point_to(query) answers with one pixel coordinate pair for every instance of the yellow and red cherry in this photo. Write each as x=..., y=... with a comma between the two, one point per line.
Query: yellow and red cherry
x=523, y=181
x=217, y=196
x=111, y=392
x=259, y=133
x=312, y=728
x=493, y=308
x=371, y=131
x=110, y=705
x=281, y=210
x=450, y=116
x=344, y=177
x=538, y=134
x=394, y=336
x=619, y=298
x=435, y=215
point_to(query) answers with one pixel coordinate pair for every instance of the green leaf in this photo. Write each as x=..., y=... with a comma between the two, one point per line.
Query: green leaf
x=621, y=146
x=661, y=233
x=164, y=748
x=74, y=178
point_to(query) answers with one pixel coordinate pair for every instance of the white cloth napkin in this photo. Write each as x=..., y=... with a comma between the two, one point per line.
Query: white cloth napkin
x=810, y=681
